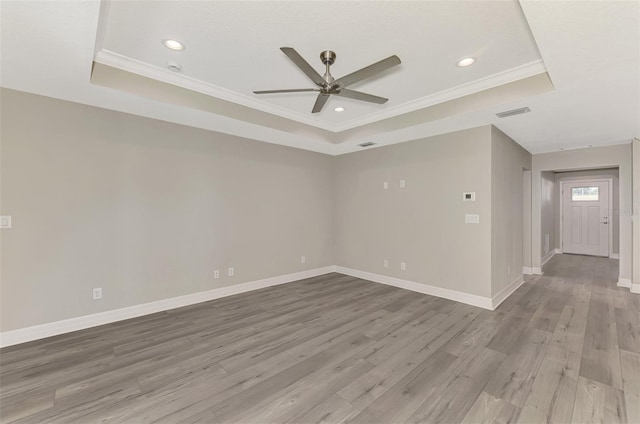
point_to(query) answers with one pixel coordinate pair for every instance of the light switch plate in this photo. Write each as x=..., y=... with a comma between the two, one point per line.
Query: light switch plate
x=472, y=219
x=5, y=222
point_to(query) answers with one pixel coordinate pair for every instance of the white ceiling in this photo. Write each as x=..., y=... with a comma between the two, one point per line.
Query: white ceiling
x=591, y=51
x=234, y=46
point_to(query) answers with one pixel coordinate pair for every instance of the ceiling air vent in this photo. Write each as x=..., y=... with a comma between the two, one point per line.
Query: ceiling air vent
x=512, y=112
x=367, y=144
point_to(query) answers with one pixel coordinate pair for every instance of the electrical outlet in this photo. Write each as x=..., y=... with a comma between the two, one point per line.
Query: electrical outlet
x=216, y=274
x=386, y=263
x=303, y=259
x=97, y=293
x=403, y=184
x=403, y=266
x=385, y=185
x=230, y=272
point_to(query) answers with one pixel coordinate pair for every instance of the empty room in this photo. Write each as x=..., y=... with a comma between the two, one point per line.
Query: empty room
x=302, y=212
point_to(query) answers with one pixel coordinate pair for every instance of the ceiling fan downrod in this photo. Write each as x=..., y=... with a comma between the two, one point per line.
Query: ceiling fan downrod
x=328, y=58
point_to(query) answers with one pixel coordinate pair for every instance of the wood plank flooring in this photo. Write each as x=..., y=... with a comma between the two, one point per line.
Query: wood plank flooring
x=563, y=348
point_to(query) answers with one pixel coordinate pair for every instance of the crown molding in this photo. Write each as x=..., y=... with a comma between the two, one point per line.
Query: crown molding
x=505, y=77
x=109, y=58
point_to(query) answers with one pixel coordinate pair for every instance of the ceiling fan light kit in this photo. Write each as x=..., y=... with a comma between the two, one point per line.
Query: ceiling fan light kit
x=328, y=85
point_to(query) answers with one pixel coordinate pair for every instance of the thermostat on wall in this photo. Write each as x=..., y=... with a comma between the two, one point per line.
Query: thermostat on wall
x=469, y=196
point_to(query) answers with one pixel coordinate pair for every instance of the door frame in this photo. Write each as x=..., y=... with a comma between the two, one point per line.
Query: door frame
x=609, y=181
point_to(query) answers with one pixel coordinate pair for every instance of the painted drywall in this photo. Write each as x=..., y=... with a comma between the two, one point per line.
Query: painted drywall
x=145, y=209
x=636, y=215
x=548, y=206
x=526, y=220
x=508, y=163
x=614, y=213
x=422, y=224
x=619, y=156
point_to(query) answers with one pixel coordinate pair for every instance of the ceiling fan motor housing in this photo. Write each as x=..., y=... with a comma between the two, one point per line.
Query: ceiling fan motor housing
x=328, y=57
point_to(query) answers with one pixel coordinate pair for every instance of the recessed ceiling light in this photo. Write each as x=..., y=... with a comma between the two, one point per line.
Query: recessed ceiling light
x=173, y=44
x=467, y=61
x=339, y=109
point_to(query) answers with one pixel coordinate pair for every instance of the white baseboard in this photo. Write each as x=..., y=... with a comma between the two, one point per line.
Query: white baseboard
x=623, y=282
x=635, y=288
x=614, y=256
x=469, y=299
x=548, y=257
x=536, y=271
x=506, y=292
x=527, y=270
x=558, y=251
x=9, y=338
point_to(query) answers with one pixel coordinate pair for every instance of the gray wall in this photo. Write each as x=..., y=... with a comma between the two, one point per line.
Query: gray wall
x=614, y=214
x=619, y=156
x=145, y=209
x=526, y=225
x=636, y=214
x=508, y=163
x=422, y=224
x=548, y=216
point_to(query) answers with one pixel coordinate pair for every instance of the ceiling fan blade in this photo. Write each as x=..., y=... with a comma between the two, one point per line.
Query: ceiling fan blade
x=303, y=65
x=368, y=71
x=293, y=90
x=361, y=96
x=320, y=101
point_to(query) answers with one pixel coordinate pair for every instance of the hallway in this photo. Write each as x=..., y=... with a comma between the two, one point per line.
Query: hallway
x=593, y=358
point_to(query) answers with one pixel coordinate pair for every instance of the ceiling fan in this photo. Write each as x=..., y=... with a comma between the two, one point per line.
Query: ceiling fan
x=329, y=85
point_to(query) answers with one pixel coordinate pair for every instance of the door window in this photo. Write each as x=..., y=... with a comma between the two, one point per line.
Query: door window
x=585, y=194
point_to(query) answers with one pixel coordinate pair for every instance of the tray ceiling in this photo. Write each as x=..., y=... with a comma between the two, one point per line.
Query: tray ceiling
x=561, y=59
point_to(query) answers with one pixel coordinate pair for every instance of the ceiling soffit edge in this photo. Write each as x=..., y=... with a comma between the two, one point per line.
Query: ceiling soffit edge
x=118, y=61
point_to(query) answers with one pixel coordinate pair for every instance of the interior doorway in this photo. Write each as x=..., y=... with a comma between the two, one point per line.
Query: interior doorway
x=586, y=207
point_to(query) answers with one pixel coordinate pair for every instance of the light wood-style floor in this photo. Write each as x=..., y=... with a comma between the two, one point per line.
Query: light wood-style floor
x=564, y=348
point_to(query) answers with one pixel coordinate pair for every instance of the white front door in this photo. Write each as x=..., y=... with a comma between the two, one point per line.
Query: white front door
x=585, y=217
